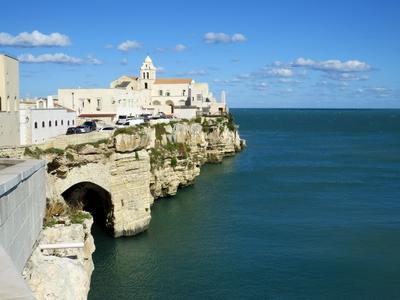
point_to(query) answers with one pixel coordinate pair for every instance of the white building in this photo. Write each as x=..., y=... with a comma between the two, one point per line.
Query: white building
x=43, y=119
x=9, y=99
x=170, y=94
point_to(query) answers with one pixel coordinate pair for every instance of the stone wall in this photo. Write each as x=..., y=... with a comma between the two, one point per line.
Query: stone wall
x=9, y=128
x=22, y=207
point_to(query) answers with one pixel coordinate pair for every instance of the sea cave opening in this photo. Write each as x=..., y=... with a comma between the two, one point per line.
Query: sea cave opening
x=94, y=199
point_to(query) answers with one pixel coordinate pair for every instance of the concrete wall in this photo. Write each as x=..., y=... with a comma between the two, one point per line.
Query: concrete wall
x=22, y=207
x=9, y=128
x=9, y=83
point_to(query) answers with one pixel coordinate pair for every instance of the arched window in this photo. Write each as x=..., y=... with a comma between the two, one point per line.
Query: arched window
x=43, y=124
x=146, y=85
x=148, y=76
x=144, y=75
x=55, y=122
x=62, y=122
x=49, y=123
x=35, y=125
x=68, y=122
x=73, y=122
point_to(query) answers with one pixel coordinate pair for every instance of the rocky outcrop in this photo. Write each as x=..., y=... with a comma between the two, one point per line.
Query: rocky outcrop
x=62, y=273
x=136, y=165
x=126, y=172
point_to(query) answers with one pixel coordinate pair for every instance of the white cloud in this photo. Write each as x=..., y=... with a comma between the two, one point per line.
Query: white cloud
x=221, y=38
x=280, y=72
x=58, y=58
x=333, y=65
x=195, y=73
x=34, y=39
x=124, y=62
x=128, y=45
x=109, y=46
x=180, y=48
x=346, y=76
x=238, y=38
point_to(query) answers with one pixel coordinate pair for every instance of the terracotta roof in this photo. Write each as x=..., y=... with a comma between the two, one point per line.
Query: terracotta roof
x=173, y=81
x=96, y=115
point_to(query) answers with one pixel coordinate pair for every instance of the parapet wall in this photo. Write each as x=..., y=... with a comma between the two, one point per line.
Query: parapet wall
x=9, y=128
x=22, y=207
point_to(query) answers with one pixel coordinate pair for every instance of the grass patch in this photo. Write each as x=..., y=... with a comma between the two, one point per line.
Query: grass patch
x=160, y=131
x=79, y=217
x=54, y=151
x=174, y=162
x=95, y=144
x=35, y=153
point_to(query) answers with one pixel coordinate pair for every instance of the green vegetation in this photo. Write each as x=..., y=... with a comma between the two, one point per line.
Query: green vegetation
x=35, y=153
x=50, y=223
x=79, y=217
x=174, y=162
x=231, y=122
x=95, y=144
x=54, y=151
x=160, y=131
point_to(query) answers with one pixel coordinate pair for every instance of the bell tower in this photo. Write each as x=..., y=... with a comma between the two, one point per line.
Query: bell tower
x=147, y=74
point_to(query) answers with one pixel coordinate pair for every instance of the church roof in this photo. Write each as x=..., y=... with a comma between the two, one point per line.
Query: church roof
x=123, y=84
x=173, y=81
x=148, y=60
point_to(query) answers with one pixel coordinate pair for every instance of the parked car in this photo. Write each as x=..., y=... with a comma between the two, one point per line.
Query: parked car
x=91, y=125
x=72, y=130
x=82, y=129
x=134, y=121
x=122, y=120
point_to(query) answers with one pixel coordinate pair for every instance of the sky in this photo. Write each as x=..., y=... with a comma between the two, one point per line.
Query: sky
x=269, y=54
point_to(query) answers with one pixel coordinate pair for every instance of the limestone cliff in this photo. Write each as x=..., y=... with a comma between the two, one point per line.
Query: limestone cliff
x=134, y=166
x=62, y=273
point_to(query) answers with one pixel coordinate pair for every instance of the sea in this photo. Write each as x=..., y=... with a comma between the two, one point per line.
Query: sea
x=309, y=210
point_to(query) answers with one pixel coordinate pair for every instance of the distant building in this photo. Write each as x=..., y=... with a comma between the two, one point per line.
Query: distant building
x=9, y=100
x=43, y=119
x=101, y=104
x=169, y=94
x=135, y=95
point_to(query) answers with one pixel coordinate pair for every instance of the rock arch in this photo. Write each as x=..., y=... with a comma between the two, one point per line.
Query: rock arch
x=93, y=198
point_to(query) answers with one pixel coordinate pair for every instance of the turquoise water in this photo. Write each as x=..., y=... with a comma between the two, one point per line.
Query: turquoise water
x=310, y=210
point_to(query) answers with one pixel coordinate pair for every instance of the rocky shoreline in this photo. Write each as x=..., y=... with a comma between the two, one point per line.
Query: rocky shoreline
x=154, y=161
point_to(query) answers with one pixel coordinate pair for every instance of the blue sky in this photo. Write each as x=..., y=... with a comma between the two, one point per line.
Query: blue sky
x=327, y=54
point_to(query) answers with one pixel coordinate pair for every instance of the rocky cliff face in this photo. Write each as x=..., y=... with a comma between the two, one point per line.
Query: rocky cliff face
x=62, y=273
x=136, y=165
x=118, y=178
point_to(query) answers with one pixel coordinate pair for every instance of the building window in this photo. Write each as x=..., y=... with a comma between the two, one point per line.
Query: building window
x=148, y=75
x=43, y=124
x=98, y=104
x=68, y=122
x=160, y=92
x=35, y=125
x=55, y=123
x=88, y=100
x=183, y=93
x=168, y=94
x=49, y=123
x=73, y=122
x=146, y=85
x=144, y=75
x=62, y=122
